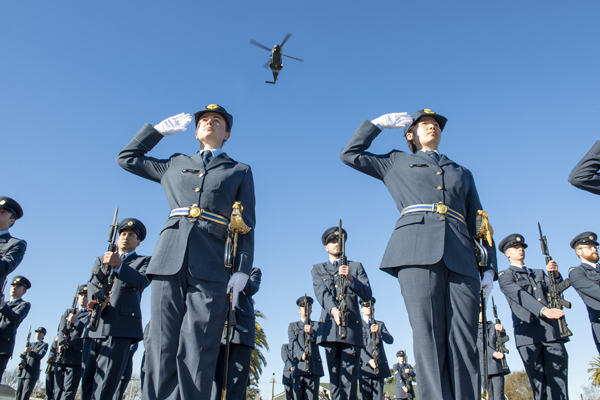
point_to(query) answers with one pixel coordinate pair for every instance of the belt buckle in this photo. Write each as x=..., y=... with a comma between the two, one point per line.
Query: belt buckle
x=195, y=211
x=441, y=208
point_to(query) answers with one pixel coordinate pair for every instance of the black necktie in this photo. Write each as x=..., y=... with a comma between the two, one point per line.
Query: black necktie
x=206, y=156
x=434, y=155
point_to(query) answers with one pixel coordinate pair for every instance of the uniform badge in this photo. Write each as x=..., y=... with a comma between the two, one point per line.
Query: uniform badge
x=591, y=238
x=213, y=106
x=17, y=279
x=428, y=111
x=500, y=274
x=336, y=233
x=2, y=202
x=130, y=223
x=518, y=239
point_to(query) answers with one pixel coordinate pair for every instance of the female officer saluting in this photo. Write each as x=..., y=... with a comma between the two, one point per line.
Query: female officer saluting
x=431, y=250
x=189, y=279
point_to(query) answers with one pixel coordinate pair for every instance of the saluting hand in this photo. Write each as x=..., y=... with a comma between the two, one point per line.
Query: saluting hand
x=174, y=124
x=345, y=270
x=393, y=120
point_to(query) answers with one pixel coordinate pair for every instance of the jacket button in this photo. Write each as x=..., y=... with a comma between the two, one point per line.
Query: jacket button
x=440, y=188
x=336, y=286
x=442, y=218
x=192, y=220
x=133, y=314
x=201, y=174
x=337, y=298
x=534, y=288
x=197, y=190
x=539, y=299
x=324, y=279
x=439, y=172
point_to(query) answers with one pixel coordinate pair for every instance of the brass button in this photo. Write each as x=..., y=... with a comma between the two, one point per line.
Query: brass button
x=440, y=188
x=192, y=220
x=324, y=279
x=336, y=286
x=335, y=276
x=540, y=299
x=534, y=288
x=110, y=292
x=439, y=172
x=197, y=190
x=442, y=218
x=133, y=314
x=201, y=174
x=337, y=298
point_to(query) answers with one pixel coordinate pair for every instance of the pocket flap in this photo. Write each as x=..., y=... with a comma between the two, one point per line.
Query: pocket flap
x=409, y=220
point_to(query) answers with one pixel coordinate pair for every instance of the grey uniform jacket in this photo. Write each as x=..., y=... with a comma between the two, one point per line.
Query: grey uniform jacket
x=288, y=362
x=12, y=251
x=12, y=314
x=214, y=189
x=326, y=282
x=527, y=295
x=494, y=364
x=403, y=379
x=366, y=353
x=245, y=329
x=297, y=338
x=73, y=353
x=122, y=316
x=422, y=238
x=586, y=281
x=34, y=358
x=585, y=175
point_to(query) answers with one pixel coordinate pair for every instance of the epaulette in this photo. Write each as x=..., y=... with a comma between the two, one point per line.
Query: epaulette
x=501, y=273
x=571, y=269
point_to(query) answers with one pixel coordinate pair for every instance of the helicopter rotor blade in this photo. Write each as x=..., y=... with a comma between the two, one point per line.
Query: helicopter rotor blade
x=266, y=65
x=262, y=46
x=285, y=40
x=299, y=59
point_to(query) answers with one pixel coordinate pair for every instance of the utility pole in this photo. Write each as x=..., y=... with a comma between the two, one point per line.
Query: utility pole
x=273, y=386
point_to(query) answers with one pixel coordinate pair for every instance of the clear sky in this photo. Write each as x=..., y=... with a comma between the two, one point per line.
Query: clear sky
x=518, y=81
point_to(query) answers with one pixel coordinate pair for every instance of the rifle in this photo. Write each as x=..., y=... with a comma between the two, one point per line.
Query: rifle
x=484, y=230
x=23, y=362
x=406, y=379
x=343, y=305
x=555, y=292
x=375, y=340
x=67, y=331
x=103, y=284
x=307, y=336
x=236, y=226
x=501, y=338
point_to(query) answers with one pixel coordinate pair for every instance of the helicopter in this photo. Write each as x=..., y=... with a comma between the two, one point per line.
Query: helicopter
x=275, y=62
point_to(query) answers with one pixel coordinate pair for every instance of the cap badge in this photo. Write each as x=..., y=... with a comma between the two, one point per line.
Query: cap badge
x=212, y=106
x=428, y=111
x=518, y=239
x=2, y=202
x=17, y=279
x=591, y=238
x=130, y=223
x=336, y=233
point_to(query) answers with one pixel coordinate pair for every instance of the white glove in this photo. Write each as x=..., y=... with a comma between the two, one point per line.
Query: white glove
x=237, y=283
x=172, y=125
x=393, y=121
x=488, y=282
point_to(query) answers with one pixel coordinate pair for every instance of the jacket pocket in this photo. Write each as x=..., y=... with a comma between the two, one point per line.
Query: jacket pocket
x=409, y=220
x=217, y=230
x=172, y=223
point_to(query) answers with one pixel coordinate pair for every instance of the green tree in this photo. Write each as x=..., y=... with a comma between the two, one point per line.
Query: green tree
x=258, y=359
x=517, y=386
x=595, y=370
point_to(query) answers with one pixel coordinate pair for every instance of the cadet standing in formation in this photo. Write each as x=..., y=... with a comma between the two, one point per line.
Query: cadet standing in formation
x=12, y=249
x=585, y=278
x=69, y=359
x=585, y=175
x=288, y=366
x=242, y=344
x=12, y=314
x=372, y=373
x=403, y=372
x=536, y=328
x=121, y=318
x=494, y=360
x=342, y=354
x=126, y=378
x=190, y=282
x=305, y=377
x=29, y=375
x=431, y=249
x=50, y=368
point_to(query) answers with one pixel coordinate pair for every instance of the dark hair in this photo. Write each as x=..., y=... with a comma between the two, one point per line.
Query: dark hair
x=411, y=144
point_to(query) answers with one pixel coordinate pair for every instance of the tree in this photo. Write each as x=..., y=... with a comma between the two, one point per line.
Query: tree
x=10, y=378
x=595, y=370
x=258, y=359
x=517, y=386
x=590, y=392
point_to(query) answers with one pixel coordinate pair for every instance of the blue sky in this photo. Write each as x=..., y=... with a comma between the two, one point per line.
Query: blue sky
x=517, y=80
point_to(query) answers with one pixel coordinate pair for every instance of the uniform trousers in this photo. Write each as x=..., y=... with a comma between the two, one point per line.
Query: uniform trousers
x=371, y=388
x=186, y=325
x=120, y=393
x=306, y=387
x=50, y=384
x=237, y=372
x=443, y=309
x=66, y=381
x=342, y=362
x=3, y=361
x=546, y=365
x=25, y=388
x=289, y=391
x=104, y=367
x=496, y=387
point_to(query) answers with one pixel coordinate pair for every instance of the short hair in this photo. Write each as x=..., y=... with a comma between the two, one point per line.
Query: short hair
x=411, y=145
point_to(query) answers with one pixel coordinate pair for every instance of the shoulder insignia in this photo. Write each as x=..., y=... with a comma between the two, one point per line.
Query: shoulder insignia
x=501, y=273
x=571, y=269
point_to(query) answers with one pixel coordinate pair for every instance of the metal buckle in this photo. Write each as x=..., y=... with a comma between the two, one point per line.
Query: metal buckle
x=195, y=211
x=441, y=208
